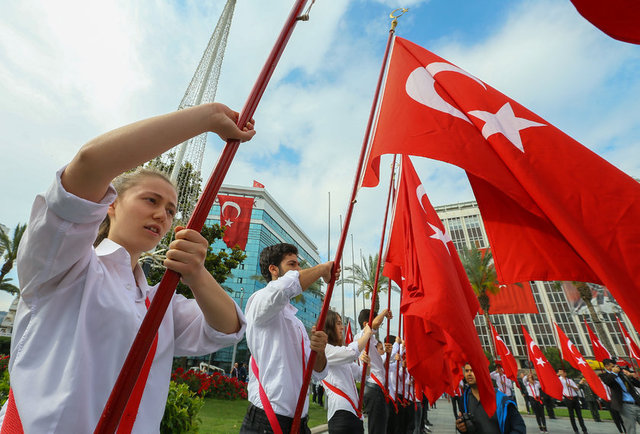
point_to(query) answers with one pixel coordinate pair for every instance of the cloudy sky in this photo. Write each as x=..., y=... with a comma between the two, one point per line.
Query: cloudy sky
x=70, y=70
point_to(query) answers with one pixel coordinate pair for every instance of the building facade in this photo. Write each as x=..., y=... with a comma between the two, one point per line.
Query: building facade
x=270, y=224
x=464, y=224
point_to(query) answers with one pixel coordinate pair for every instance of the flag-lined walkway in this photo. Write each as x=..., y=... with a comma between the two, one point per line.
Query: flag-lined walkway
x=443, y=423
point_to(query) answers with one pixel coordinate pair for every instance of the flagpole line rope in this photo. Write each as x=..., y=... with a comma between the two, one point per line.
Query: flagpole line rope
x=374, y=293
x=295, y=426
x=114, y=408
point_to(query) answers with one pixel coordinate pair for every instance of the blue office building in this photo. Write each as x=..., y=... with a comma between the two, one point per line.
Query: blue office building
x=270, y=224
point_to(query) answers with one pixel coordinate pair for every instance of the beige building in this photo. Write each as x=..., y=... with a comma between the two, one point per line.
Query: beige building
x=464, y=224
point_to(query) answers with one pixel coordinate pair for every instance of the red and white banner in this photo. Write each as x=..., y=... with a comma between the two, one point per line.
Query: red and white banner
x=632, y=347
x=507, y=359
x=571, y=354
x=235, y=216
x=544, y=211
x=257, y=184
x=549, y=381
x=599, y=351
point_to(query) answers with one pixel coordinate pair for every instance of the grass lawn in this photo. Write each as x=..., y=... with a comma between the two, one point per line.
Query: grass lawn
x=219, y=416
x=586, y=414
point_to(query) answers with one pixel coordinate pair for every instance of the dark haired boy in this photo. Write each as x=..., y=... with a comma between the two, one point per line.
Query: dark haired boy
x=375, y=405
x=279, y=343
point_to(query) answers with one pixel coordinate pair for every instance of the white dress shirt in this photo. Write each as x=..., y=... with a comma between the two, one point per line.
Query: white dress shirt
x=275, y=337
x=376, y=364
x=504, y=384
x=342, y=373
x=79, y=312
x=533, y=389
x=566, y=390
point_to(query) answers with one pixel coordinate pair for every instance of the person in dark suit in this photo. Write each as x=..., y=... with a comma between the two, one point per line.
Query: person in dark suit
x=624, y=397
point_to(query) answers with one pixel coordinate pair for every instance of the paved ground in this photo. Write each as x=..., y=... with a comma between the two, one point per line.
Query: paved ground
x=443, y=423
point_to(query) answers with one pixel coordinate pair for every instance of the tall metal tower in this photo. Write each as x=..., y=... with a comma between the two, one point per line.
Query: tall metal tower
x=185, y=161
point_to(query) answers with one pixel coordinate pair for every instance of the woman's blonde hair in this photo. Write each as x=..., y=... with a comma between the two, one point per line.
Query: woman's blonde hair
x=123, y=183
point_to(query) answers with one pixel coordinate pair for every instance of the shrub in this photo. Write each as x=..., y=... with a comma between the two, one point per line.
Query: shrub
x=180, y=414
x=215, y=385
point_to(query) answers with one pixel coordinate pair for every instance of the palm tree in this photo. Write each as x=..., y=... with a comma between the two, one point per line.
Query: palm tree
x=484, y=280
x=5, y=285
x=364, y=277
x=10, y=247
x=585, y=294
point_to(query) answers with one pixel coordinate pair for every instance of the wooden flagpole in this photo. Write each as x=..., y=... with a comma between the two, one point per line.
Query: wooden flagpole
x=295, y=427
x=123, y=387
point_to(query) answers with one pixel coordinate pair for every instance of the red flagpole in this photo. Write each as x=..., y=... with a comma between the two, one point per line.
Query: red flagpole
x=123, y=387
x=295, y=427
x=386, y=362
x=375, y=282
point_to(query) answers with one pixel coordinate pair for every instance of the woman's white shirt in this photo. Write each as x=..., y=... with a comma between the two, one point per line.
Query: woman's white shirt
x=343, y=371
x=79, y=312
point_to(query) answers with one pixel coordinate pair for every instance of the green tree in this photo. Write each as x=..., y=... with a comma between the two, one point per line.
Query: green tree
x=364, y=278
x=5, y=285
x=10, y=248
x=482, y=275
x=553, y=356
x=220, y=264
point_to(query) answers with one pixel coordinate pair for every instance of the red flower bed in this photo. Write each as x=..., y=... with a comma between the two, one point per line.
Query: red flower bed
x=213, y=386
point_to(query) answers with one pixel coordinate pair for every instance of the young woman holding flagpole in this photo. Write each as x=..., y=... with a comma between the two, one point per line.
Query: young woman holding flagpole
x=83, y=294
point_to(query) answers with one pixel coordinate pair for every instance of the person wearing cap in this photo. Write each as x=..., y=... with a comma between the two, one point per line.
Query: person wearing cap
x=624, y=396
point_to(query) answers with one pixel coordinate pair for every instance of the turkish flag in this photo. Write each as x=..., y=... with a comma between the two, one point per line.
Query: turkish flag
x=632, y=347
x=348, y=336
x=549, y=381
x=257, y=184
x=571, y=354
x=235, y=217
x=513, y=299
x=438, y=303
x=599, y=351
x=507, y=360
x=617, y=18
x=546, y=215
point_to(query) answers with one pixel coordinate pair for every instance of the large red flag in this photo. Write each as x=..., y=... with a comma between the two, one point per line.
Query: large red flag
x=513, y=299
x=437, y=300
x=599, y=351
x=632, y=347
x=509, y=363
x=235, y=215
x=571, y=354
x=549, y=381
x=547, y=216
x=617, y=18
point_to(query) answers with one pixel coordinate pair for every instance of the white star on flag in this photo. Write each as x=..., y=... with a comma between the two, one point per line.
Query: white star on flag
x=228, y=222
x=540, y=361
x=506, y=123
x=581, y=361
x=440, y=235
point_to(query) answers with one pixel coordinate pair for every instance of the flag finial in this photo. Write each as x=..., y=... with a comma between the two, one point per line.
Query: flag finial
x=395, y=17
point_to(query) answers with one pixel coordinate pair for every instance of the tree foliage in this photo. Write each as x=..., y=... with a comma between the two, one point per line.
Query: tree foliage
x=220, y=264
x=10, y=247
x=364, y=278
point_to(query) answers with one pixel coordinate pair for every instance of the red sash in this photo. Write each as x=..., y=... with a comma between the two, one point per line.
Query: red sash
x=338, y=391
x=533, y=393
x=387, y=397
x=264, y=399
x=12, y=423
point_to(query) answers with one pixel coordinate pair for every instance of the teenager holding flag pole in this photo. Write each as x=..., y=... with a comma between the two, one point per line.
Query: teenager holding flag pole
x=347, y=222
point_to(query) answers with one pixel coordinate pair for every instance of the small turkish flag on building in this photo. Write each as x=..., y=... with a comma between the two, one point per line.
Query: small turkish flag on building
x=599, y=351
x=438, y=302
x=235, y=216
x=549, y=381
x=546, y=215
x=257, y=184
x=509, y=363
x=571, y=354
x=634, y=351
